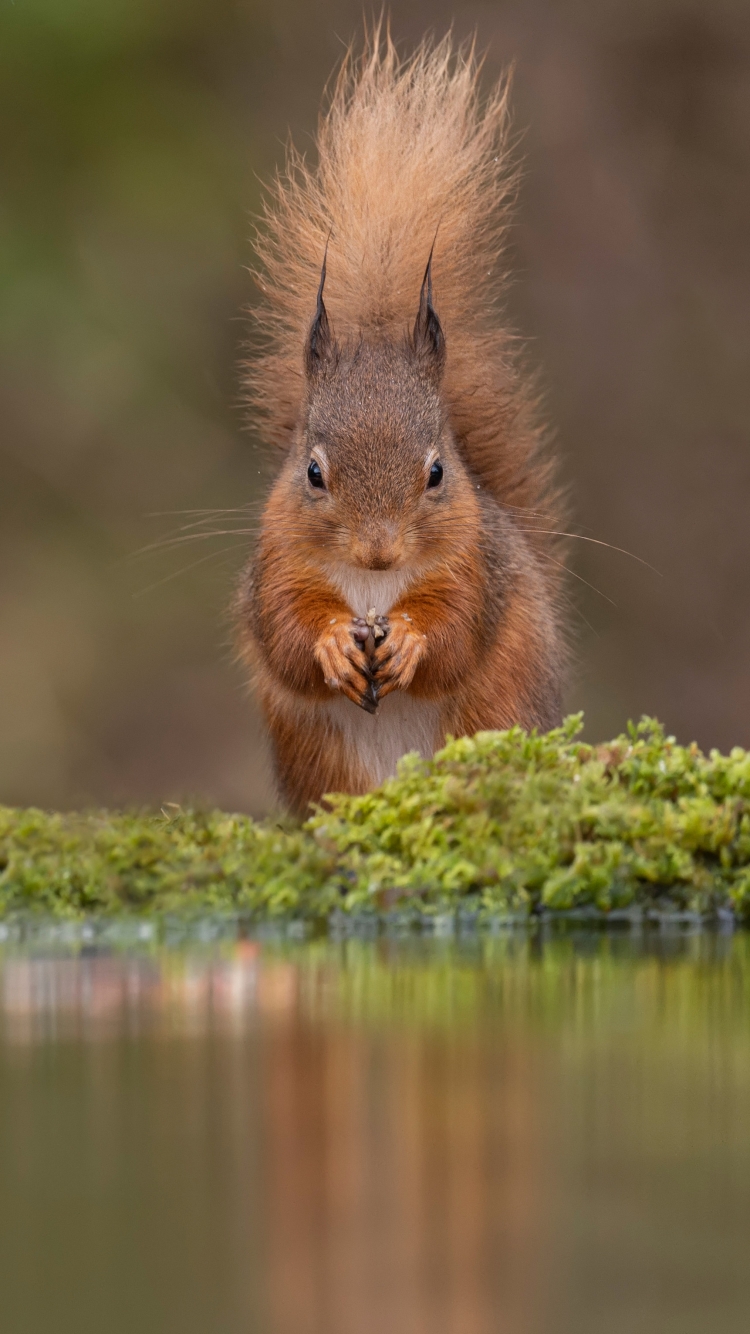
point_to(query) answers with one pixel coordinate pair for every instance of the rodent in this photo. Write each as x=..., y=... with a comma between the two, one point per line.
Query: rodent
x=415, y=489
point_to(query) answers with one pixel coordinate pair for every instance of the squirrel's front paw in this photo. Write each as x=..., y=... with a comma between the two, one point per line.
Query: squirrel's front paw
x=345, y=665
x=396, y=658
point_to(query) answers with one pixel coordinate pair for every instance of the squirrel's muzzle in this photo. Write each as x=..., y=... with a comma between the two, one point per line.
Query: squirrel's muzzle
x=376, y=551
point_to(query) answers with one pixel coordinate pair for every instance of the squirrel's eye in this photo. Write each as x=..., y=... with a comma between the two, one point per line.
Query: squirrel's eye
x=315, y=476
x=436, y=474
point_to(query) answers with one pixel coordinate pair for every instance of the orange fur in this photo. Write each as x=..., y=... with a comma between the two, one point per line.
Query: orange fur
x=405, y=149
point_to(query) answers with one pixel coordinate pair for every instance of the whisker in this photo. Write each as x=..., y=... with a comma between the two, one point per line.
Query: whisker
x=575, y=575
x=167, y=543
x=198, y=524
x=211, y=516
x=552, y=532
x=524, y=509
x=168, y=514
x=212, y=555
x=576, y=611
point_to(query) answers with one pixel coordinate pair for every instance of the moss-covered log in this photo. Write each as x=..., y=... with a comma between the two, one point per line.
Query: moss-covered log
x=501, y=822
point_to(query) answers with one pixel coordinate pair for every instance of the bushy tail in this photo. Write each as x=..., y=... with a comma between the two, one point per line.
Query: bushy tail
x=405, y=150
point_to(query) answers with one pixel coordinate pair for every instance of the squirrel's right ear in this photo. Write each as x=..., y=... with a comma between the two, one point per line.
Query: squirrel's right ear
x=428, y=338
x=320, y=347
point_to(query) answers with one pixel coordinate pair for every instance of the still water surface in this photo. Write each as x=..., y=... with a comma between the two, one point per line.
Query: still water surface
x=408, y=1136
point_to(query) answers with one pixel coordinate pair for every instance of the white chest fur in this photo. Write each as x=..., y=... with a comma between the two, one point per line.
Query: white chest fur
x=401, y=724
x=364, y=589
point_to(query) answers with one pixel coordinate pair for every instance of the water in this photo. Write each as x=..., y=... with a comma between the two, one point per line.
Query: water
x=397, y=1135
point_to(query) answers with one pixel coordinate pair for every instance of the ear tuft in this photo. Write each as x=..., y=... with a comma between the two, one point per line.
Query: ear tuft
x=320, y=349
x=428, y=338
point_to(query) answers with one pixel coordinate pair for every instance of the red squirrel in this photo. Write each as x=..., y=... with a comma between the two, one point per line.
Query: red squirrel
x=405, y=584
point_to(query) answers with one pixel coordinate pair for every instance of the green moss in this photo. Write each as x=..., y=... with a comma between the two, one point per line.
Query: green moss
x=500, y=822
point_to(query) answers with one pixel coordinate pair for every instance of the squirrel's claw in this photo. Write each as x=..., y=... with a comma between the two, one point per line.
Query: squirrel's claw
x=365, y=699
x=369, y=701
x=370, y=697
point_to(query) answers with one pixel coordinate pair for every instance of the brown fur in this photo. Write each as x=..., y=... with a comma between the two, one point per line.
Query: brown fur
x=471, y=592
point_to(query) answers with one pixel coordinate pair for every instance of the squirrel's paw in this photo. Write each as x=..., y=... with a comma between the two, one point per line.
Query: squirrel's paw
x=345, y=665
x=396, y=658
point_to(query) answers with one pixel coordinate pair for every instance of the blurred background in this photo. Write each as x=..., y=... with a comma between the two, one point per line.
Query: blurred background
x=135, y=133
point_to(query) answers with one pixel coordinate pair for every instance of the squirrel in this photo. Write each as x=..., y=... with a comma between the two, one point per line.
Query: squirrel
x=405, y=585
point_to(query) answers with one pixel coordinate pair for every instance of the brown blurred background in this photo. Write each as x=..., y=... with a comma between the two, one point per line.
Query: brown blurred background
x=134, y=134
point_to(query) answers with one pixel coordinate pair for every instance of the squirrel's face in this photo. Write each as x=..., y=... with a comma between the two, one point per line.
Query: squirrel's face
x=378, y=477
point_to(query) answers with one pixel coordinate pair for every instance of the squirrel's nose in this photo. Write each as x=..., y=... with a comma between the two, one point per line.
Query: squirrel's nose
x=373, y=557
x=375, y=551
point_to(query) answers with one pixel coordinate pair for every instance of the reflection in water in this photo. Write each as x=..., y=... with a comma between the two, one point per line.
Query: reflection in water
x=399, y=1135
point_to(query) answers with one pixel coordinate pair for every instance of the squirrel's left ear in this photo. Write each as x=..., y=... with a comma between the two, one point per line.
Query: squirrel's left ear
x=428, y=338
x=320, y=347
